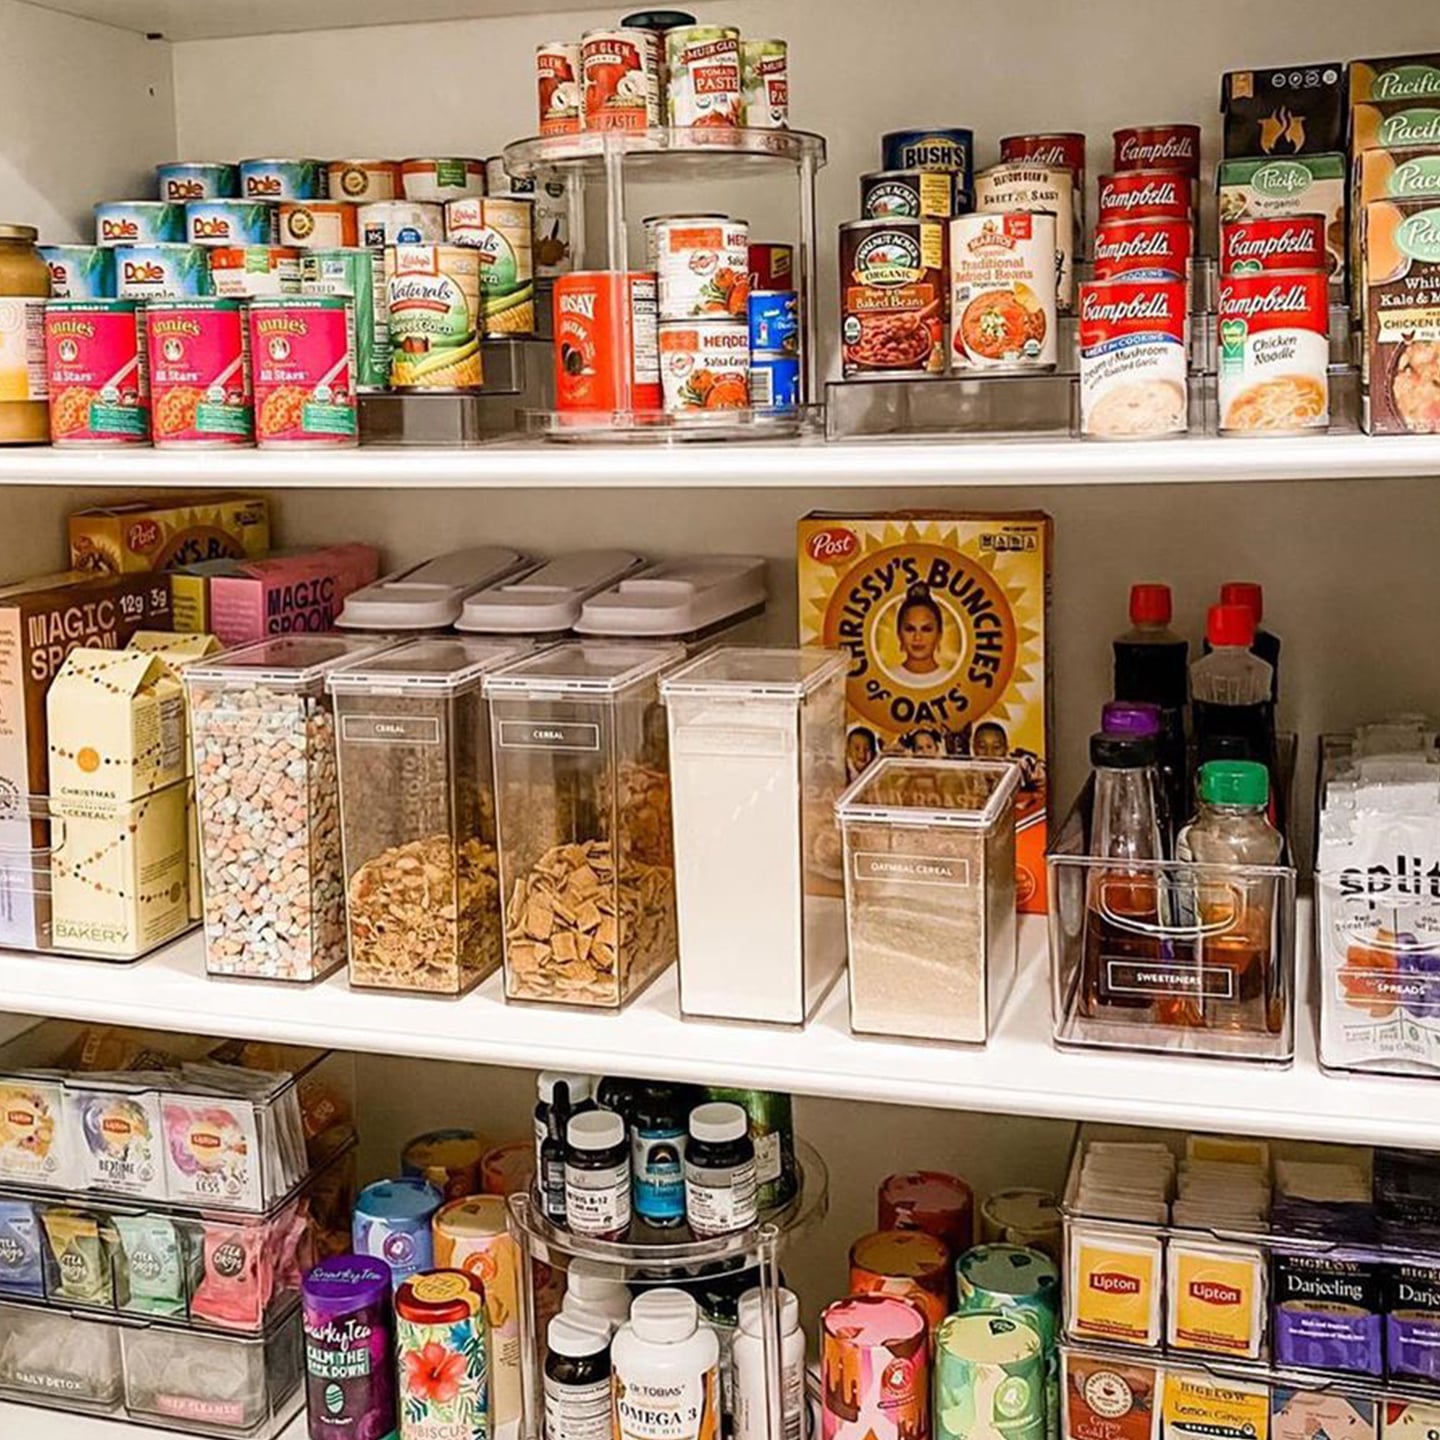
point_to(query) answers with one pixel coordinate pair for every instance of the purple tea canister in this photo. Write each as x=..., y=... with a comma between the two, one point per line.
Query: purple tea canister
x=349, y=1349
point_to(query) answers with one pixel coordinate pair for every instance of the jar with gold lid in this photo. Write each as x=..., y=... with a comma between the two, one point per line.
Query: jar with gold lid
x=24, y=288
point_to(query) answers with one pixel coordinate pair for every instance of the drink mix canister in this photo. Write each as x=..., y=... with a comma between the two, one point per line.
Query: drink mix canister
x=442, y=1354
x=906, y=1263
x=941, y=1205
x=989, y=1379
x=349, y=1339
x=874, y=1369
x=392, y=1223
x=1022, y=1216
x=449, y=1159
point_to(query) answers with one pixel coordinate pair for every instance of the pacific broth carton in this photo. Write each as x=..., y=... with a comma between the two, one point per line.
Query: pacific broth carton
x=944, y=617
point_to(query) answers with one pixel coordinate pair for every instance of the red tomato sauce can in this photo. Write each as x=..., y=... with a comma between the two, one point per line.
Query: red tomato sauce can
x=199, y=354
x=1273, y=329
x=303, y=351
x=606, y=341
x=1273, y=242
x=1158, y=147
x=1145, y=195
x=558, y=69
x=622, y=79
x=95, y=359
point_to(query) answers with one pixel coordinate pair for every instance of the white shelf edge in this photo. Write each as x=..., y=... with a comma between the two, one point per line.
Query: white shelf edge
x=36, y=1422
x=1019, y=1073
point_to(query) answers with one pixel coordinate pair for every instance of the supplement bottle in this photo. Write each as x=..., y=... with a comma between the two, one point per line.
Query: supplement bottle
x=593, y=1290
x=657, y=1153
x=666, y=1363
x=597, y=1175
x=579, y=1096
x=577, y=1381
x=720, y=1194
x=751, y=1400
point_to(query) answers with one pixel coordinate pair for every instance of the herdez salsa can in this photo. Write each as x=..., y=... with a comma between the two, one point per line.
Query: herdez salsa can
x=892, y=297
x=96, y=364
x=199, y=353
x=303, y=352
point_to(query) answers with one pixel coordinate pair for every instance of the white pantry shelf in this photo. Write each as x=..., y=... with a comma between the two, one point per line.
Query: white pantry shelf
x=28, y=1422
x=1019, y=1073
x=854, y=465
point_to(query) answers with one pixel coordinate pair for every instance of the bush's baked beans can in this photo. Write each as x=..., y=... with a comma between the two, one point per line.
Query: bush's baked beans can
x=1273, y=242
x=432, y=181
x=1045, y=189
x=95, y=359
x=1159, y=147
x=702, y=63
x=318, y=224
x=199, y=352
x=162, y=272
x=245, y=271
x=1133, y=371
x=622, y=79
x=362, y=182
x=703, y=264
x=401, y=222
x=358, y=273
x=1273, y=333
x=772, y=266
x=606, y=342
x=500, y=229
x=893, y=299
x=765, y=79
x=948, y=148
x=1145, y=195
x=874, y=1369
x=558, y=80
x=889, y=194
x=1061, y=147
x=704, y=366
x=1002, y=291
x=303, y=353
x=433, y=293
x=183, y=180
x=283, y=179
x=231, y=222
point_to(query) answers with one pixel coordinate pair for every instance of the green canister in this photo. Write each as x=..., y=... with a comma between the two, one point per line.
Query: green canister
x=772, y=1131
x=358, y=273
x=989, y=1379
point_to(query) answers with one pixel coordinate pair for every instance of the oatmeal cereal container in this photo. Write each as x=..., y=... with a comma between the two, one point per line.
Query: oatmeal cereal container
x=907, y=194
x=433, y=299
x=318, y=224
x=162, y=272
x=703, y=66
x=1145, y=195
x=401, y=222
x=1038, y=189
x=199, y=356
x=139, y=222
x=197, y=180
x=361, y=182
x=622, y=84
x=230, y=222
x=704, y=366
x=1002, y=291
x=282, y=179
x=422, y=887
x=1288, y=242
x=95, y=363
x=874, y=1369
x=243, y=272
x=765, y=84
x=703, y=264
x=359, y=274
x=893, y=298
x=302, y=351
x=587, y=862
x=1133, y=371
x=433, y=181
x=1063, y=147
x=1273, y=330
x=80, y=272
x=500, y=229
x=607, y=355
x=558, y=80
x=263, y=735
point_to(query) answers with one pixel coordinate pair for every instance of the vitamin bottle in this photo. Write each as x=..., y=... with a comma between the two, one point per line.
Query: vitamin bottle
x=751, y=1400
x=577, y=1381
x=657, y=1153
x=665, y=1363
x=591, y=1290
x=720, y=1194
x=579, y=1095
x=597, y=1175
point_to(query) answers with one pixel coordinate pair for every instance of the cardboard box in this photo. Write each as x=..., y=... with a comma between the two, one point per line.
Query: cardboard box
x=1291, y=185
x=303, y=592
x=945, y=619
x=1409, y=174
x=1402, y=79
x=1285, y=110
x=1400, y=281
x=169, y=533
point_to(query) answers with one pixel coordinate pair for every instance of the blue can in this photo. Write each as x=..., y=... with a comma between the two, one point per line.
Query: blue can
x=774, y=381
x=80, y=272
x=393, y=1224
x=139, y=222
x=231, y=222
x=284, y=180
x=948, y=148
x=775, y=321
x=184, y=180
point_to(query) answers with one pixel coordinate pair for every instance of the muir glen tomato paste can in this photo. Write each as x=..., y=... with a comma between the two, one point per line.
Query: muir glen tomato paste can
x=605, y=341
x=1145, y=195
x=1159, y=147
x=1273, y=242
x=621, y=79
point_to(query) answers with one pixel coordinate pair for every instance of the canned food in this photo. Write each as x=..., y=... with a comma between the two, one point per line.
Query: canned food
x=230, y=222
x=772, y=266
x=874, y=1370
x=765, y=84
x=1002, y=292
x=605, y=342
x=282, y=179
x=1159, y=147
x=905, y=1263
x=989, y=1379
x=401, y=222
x=703, y=67
x=362, y=182
x=80, y=272
x=162, y=272
x=433, y=297
x=1064, y=147
x=1274, y=342
x=774, y=381
x=950, y=148
x=703, y=264
x=557, y=74
x=1148, y=248
x=704, y=365
x=303, y=353
x=197, y=180
x=499, y=229
x=95, y=359
x=1145, y=195
x=1278, y=242
x=318, y=225
x=893, y=300
x=622, y=79
x=887, y=194
x=139, y=222
x=199, y=352
x=244, y=271
x=434, y=181
x=775, y=321
x=1039, y=189
x=358, y=274
x=499, y=181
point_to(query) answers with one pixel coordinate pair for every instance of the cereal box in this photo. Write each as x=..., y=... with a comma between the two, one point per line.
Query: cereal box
x=168, y=534
x=943, y=617
x=288, y=594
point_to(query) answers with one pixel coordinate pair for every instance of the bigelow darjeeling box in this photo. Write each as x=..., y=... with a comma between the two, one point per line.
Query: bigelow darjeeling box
x=944, y=617
x=168, y=534
x=287, y=594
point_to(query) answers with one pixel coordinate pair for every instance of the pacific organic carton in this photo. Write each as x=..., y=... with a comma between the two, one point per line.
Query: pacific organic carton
x=167, y=534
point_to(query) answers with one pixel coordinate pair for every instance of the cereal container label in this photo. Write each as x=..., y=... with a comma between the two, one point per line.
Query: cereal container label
x=1274, y=334
x=96, y=366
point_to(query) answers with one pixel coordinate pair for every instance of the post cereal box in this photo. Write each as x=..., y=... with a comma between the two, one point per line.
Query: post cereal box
x=145, y=535
x=944, y=619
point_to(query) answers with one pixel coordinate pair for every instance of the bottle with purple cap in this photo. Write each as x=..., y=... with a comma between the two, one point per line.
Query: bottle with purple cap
x=349, y=1349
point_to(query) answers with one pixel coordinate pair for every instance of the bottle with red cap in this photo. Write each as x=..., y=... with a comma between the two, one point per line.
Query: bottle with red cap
x=1265, y=644
x=1152, y=667
x=1230, y=691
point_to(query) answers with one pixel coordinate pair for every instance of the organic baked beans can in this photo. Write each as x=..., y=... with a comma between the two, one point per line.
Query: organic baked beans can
x=893, y=299
x=1273, y=242
x=303, y=353
x=1050, y=189
x=557, y=77
x=199, y=353
x=183, y=180
x=359, y=274
x=434, y=180
x=765, y=80
x=230, y=222
x=1145, y=195
x=621, y=78
x=500, y=229
x=362, y=182
x=704, y=366
x=95, y=358
x=1133, y=372
x=772, y=266
x=887, y=194
x=703, y=264
x=283, y=179
x=605, y=342
x=1158, y=147
x=318, y=224
x=401, y=222
x=702, y=63
x=1273, y=332
x=245, y=271
x=162, y=272
x=433, y=297
x=1002, y=291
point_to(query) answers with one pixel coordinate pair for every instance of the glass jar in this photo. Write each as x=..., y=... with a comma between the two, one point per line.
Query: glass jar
x=24, y=289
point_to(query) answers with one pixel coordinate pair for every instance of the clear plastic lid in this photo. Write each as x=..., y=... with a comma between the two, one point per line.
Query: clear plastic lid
x=580, y=669
x=444, y=664
x=679, y=597
x=743, y=671
x=430, y=596
x=284, y=662
x=954, y=793
x=549, y=600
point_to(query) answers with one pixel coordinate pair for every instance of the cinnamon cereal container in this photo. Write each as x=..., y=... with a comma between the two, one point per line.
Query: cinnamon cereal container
x=199, y=356
x=893, y=298
x=622, y=79
x=1002, y=292
x=303, y=352
x=1028, y=185
x=874, y=1370
x=1133, y=371
x=558, y=81
x=1274, y=352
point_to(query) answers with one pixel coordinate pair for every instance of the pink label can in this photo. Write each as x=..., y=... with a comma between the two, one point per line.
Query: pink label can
x=200, y=372
x=304, y=357
x=96, y=366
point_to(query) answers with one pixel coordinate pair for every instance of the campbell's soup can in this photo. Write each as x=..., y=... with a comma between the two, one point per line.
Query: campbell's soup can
x=1273, y=334
x=401, y=222
x=1145, y=195
x=302, y=349
x=893, y=297
x=772, y=266
x=702, y=65
x=95, y=361
x=1157, y=247
x=318, y=224
x=184, y=180
x=283, y=179
x=886, y=194
x=874, y=1369
x=1002, y=291
x=558, y=78
x=1273, y=242
x=199, y=352
x=1060, y=147
x=606, y=341
x=80, y=272
x=909, y=1263
x=704, y=366
x=703, y=264
x=244, y=271
x=362, y=182
x=1159, y=147
x=621, y=70
x=162, y=272
x=1133, y=357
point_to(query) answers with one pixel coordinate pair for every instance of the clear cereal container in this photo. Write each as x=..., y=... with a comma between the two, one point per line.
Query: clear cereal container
x=417, y=814
x=930, y=896
x=582, y=782
x=265, y=786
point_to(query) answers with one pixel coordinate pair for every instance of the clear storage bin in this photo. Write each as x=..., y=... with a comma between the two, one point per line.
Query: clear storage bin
x=930, y=896
x=587, y=861
x=757, y=760
x=417, y=809
x=265, y=786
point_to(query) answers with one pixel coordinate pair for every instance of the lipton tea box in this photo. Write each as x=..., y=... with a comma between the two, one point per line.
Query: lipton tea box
x=286, y=594
x=944, y=617
x=167, y=534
